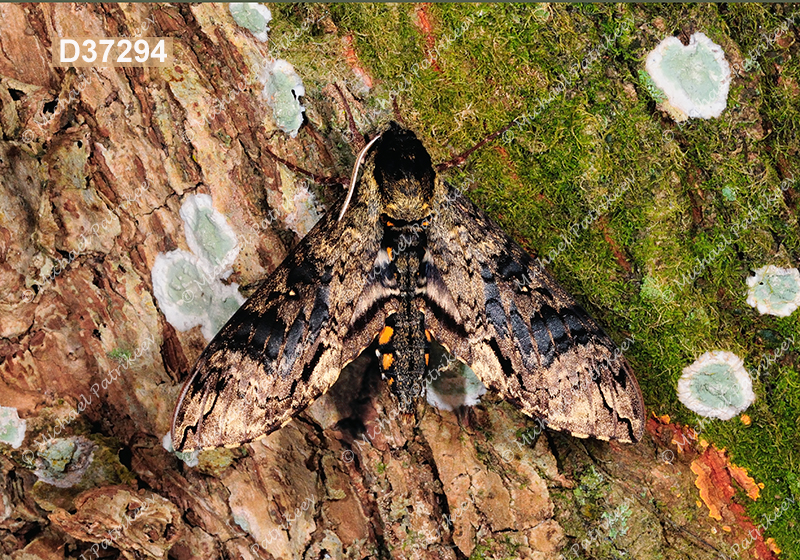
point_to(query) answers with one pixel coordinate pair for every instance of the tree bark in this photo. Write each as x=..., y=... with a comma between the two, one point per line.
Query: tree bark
x=95, y=166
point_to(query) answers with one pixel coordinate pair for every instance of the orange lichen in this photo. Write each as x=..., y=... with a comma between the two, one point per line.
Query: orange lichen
x=770, y=542
x=740, y=475
x=713, y=481
x=683, y=437
x=714, y=474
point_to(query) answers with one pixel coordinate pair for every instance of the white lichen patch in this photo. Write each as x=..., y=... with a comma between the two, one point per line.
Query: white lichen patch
x=298, y=206
x=208, y=235
x=304, y=216
x=188, y=286
x=774, y=290
x=695, y=78
x=253, y=17
x=242, y=522
x=716, y=385
x=455, y=387
x=191, y=459
x=283, y=89
x=188, y=297
x=179, y=291
x=12, y=429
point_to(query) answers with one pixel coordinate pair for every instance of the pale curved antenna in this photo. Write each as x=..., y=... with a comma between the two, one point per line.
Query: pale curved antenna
x=360, y=158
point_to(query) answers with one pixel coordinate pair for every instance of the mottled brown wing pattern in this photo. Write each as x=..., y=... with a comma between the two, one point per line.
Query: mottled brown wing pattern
x=522, y=334
x=288, y=343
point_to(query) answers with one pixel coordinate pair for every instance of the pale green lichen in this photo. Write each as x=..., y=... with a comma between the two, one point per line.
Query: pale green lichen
x=62, y=478
x=716, y=385
x=695, y=78
x=187, y=286
x=242, y=522
x=188, y=297
x=59, y=454
x=729, y=194
x=283, y=89
x=617, y=521
x=208, y=235
x=253, y=17
x=62, y=462
x=12, y=429
x=191, y=459
x=541, y=11
x=774, y=290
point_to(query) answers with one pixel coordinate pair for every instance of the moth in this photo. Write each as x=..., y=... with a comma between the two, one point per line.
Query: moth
x=407, y=259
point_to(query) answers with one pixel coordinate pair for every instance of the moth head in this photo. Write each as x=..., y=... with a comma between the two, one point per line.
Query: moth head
x=404, y=174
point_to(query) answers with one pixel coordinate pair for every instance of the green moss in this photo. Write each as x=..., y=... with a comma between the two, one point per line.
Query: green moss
x=120, y=355
x=480, y=552
x=493, y=549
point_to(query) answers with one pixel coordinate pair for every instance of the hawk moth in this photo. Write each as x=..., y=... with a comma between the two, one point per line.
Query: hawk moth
x=407, y=260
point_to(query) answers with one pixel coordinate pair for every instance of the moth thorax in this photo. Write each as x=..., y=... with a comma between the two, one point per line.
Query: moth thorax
x=404, y=174
x=404, y=206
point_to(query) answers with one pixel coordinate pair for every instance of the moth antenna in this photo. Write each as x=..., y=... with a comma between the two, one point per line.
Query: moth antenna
x=360, y=158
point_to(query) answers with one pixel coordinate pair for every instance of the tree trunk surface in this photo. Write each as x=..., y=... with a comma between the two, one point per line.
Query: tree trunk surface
x=95, y=166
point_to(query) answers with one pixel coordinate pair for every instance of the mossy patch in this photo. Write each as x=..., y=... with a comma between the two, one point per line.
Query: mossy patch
x=120, y=355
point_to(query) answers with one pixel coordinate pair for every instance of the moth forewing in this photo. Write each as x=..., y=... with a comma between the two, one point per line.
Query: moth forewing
x=287, y=344
x=521, y=333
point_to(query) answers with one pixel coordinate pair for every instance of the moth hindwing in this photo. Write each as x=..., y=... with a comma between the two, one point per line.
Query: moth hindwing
x=410, y=260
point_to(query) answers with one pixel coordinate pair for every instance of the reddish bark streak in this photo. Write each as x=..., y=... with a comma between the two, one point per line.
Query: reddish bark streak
x=352, y=59
x=618, y=254
x=424, y=24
